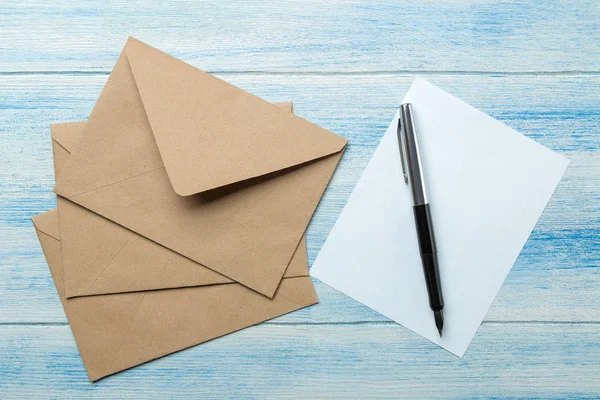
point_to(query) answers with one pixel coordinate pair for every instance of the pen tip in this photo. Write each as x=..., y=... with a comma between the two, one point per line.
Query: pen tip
x=439, y=320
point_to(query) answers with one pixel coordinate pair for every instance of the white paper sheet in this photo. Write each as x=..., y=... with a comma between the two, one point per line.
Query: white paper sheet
x=487, y=186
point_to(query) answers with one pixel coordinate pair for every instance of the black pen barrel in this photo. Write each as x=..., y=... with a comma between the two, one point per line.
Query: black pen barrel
x=428, y=256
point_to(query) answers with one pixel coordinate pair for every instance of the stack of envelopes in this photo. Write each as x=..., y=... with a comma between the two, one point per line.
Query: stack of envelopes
x=182, y=207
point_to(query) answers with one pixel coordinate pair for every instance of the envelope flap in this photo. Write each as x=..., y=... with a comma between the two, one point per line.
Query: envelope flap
x=66, y=134
x=210, y=133
x=47, y=222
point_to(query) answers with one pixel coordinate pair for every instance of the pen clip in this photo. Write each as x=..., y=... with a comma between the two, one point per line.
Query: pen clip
x=401, y=145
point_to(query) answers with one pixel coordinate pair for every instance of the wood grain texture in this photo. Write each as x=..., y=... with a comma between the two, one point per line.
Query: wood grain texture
x=346, y=64
x=550, y=361
x=313, y=35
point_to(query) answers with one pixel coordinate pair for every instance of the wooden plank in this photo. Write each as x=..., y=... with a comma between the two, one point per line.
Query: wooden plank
x=556, y=273
x=340, y=35
x=548, y=361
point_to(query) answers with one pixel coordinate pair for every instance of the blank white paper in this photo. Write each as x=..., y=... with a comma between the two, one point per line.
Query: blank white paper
x=487, y=186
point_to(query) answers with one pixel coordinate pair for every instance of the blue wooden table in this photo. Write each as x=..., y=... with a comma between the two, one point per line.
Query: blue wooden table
x=346, y=65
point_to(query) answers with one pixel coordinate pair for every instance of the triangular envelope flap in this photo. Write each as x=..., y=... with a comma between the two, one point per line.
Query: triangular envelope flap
x=211, y=133
x=66, y=134
x=47, y=223
x=64, y=140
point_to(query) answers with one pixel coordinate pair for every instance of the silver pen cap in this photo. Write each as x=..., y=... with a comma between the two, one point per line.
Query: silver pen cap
x=411, y=156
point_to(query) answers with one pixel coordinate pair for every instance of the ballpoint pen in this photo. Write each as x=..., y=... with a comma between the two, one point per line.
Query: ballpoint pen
x=412, y=169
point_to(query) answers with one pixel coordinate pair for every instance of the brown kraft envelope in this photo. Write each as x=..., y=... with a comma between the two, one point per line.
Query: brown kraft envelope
x=101, y=257
x=201, y=167
x=119, y=331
